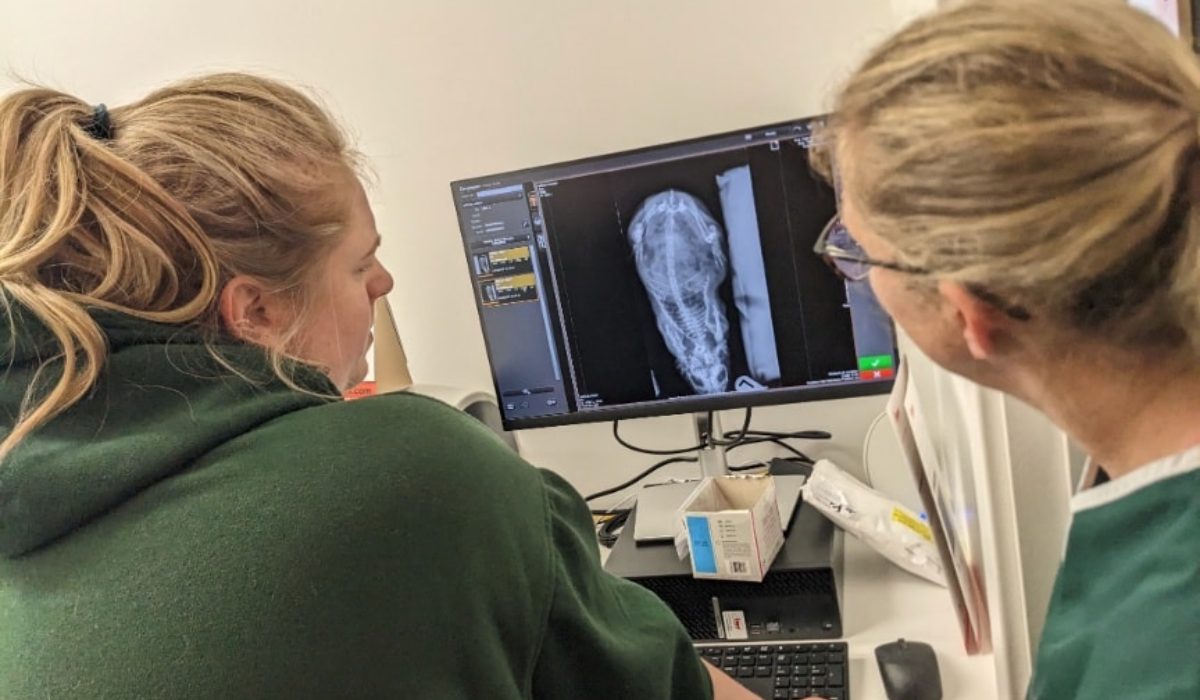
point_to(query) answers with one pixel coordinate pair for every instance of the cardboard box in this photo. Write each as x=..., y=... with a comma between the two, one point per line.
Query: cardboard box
x=731, y=527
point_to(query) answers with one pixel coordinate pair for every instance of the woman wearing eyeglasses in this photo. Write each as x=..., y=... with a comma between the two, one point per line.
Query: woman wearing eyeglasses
x=1019, y=181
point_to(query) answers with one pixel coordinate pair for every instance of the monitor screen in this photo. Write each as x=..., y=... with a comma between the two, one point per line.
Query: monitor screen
x=671, y=279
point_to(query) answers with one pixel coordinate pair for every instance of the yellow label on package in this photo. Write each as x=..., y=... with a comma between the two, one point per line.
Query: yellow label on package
x=913, y=524
x=732, y=528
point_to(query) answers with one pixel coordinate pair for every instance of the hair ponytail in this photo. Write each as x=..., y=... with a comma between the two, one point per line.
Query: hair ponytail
x=80, y=227
x=216, y=176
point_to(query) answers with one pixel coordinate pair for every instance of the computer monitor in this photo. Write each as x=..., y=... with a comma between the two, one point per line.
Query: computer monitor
x=678, y=278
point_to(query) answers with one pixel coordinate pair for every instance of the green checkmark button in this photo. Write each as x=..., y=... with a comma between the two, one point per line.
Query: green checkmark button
x=870, y=362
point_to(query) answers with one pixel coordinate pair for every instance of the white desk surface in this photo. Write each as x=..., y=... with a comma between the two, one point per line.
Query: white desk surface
x=883, y=603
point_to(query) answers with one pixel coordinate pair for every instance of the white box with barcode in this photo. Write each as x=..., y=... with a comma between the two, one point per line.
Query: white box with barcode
x=730, y=525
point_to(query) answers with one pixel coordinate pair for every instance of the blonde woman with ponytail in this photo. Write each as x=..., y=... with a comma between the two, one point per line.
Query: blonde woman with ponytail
x=188, y=509
x=1020, y=182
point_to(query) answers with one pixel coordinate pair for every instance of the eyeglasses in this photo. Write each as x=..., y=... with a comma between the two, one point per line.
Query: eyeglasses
x=847, y=258
x=850, y=262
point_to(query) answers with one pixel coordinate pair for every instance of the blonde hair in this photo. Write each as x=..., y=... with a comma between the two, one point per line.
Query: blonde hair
x=1043, y=151
x=209, y=178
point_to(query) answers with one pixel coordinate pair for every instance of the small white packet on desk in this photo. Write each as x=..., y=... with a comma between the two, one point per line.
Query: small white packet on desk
x=891, y=529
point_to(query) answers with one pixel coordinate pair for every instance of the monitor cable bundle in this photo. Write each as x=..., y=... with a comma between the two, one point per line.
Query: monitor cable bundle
x=730, y=440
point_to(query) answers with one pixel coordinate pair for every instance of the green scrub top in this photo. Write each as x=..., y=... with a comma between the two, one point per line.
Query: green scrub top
x=1124, y=619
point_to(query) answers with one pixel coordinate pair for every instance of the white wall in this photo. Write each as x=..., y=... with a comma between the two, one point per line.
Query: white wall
x=442, y=90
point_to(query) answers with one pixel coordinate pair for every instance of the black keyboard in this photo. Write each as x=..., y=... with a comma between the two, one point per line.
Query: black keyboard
x=784, y=670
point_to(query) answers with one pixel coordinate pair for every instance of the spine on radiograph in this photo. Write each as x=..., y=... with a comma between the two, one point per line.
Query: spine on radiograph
x=678, y=252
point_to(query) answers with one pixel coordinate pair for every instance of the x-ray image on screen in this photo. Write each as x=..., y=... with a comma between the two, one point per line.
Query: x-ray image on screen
x=679, y=251
x=666, y=262
x=682, y=257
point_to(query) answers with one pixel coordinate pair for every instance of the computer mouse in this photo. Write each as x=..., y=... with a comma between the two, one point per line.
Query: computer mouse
x=909, y=670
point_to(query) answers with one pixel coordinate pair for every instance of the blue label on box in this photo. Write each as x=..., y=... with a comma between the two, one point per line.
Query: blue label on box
x=700, y=541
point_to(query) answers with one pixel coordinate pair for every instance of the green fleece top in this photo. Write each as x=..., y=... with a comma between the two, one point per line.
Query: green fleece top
x=184, y=533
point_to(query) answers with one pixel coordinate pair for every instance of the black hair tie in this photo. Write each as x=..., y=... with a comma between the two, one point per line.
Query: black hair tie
x=100, y=127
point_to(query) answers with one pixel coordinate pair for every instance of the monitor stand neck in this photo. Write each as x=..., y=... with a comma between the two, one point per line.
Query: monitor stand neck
x=712, y=451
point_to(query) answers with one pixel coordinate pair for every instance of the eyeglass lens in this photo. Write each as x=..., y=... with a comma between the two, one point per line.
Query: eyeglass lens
x=840, y=238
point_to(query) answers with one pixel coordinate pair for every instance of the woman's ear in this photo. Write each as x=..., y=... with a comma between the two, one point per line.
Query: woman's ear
x=250, y=313
x=980, y=322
